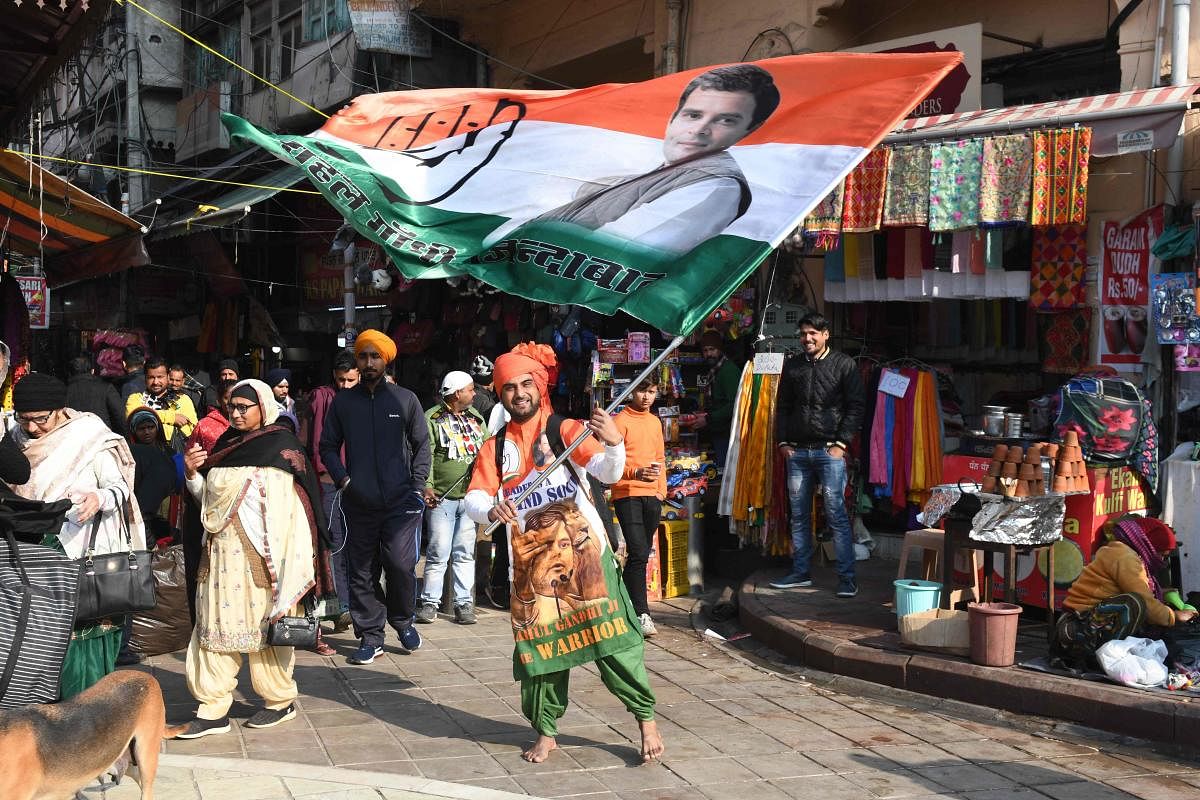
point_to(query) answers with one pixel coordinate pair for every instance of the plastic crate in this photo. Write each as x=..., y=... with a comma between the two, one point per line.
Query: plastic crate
x=673, y=557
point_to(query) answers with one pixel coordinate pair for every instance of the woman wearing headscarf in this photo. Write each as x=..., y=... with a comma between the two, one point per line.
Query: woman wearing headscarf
x=264, y=552
x=74, y=455
x=157, y=472
x=1118, y=594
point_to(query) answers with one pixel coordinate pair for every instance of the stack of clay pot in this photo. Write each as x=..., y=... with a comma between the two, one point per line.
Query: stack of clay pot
x=1070, y=470
x=1015, y=472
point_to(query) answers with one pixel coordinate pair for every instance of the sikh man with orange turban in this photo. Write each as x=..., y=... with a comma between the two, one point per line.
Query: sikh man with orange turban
x=381, y=484
x=569, y=605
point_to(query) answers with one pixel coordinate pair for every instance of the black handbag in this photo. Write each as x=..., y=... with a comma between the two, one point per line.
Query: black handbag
x=294, y=631
x=114, y=583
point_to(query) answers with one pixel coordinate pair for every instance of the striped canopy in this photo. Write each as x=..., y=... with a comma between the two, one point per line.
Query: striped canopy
x=82, y=236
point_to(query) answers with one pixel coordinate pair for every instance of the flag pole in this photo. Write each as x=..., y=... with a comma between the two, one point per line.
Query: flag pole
x=573, y=446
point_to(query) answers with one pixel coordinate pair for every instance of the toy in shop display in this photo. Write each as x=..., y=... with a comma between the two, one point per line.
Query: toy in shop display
x=687, y=487
x=1173, y=304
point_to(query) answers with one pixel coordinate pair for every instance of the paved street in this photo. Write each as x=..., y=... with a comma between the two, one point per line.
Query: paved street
x=737, y=724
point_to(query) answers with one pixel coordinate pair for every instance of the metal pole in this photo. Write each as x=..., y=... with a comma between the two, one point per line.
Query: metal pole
x=133, y=117
x=573, y=446
x=1180, y=29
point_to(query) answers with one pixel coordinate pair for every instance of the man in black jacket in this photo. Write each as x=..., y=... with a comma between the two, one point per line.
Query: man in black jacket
x=89, y=392
x=381, y=483
x=820, y=411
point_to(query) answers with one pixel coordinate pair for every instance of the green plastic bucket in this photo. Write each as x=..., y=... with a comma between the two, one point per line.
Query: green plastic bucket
x=913, y=595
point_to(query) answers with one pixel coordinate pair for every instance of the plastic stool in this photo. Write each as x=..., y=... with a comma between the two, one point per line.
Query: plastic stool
x=933, y=543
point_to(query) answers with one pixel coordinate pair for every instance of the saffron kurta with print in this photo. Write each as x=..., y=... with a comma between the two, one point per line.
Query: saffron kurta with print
x=569, y=605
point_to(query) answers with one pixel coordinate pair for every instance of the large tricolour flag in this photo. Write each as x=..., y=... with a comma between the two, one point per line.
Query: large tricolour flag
x=656, y=198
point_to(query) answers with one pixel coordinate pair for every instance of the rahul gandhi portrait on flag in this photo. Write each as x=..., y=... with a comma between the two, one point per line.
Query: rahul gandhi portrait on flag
x=699, y=189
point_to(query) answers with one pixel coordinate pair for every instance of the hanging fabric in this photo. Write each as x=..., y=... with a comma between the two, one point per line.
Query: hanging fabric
x=823, y=225
x=955, y=169
x=906, y=199
x=862, y=205
x=1060, y=176
x=1067, y=337
x=1005, y=187
x=1059, y=261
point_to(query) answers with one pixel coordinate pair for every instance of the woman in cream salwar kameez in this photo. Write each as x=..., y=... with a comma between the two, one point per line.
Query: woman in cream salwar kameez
x=264, y=551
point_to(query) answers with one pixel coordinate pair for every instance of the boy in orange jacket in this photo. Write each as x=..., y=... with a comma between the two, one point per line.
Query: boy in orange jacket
x=638, y=496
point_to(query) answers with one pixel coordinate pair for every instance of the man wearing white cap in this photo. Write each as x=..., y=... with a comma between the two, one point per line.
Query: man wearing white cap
x=456, y=433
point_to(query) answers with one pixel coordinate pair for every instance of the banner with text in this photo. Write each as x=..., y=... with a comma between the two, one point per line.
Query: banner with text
x=654, y=198
x=1125, y=289
x=37, y=300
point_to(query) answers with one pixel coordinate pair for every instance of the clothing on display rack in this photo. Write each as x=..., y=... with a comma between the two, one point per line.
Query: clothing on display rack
x=905, y=437
x=862, y=205
x=955, y=171
x=1059, y=261
x=906, y=198
x=1060, y=176
x=1005, y=188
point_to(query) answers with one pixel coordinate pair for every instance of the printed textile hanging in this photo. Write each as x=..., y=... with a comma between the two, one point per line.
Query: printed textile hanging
x=1059, y=261
x=1005, y=188
x=1060, y=176
x=862, y=205
x=906, y=199
x=1067, y=335
x=823, y=225
x=955, y=169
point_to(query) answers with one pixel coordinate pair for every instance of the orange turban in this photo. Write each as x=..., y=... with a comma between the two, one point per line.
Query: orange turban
x=536, y=359
x=383, y=343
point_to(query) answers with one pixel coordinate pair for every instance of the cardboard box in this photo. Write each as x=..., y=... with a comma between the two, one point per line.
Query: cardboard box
x=939, y=630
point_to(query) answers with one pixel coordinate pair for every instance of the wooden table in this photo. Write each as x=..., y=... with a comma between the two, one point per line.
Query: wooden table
x=958, y=537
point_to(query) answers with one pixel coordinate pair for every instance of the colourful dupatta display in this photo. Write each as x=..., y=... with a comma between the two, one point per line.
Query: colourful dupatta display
x=1060, y=176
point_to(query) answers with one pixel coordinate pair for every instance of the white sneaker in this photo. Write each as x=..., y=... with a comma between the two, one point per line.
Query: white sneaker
x=648, y=628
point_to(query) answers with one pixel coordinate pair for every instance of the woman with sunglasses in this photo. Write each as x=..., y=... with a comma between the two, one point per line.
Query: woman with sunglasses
x=264, y=551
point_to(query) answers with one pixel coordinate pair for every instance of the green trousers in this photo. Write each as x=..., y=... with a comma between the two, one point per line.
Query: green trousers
x=544, y=697
x=91, y=655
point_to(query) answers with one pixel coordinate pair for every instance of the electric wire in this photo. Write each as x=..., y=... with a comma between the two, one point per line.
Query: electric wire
x=220, y=55
x=162, y=174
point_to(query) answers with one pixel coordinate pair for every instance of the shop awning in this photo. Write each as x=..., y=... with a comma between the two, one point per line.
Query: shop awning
x=1121, y=123
x=78, y=235
x=230, y=207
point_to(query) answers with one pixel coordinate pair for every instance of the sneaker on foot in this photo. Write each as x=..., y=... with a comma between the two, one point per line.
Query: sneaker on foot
x=427, y=613
x=410, y=639
x=465, y=614
x=204, y=727
x=793, y=580
x=847, y=587
x=648, y=628
x=270, y=717
x=343, y=622
x=365, y=654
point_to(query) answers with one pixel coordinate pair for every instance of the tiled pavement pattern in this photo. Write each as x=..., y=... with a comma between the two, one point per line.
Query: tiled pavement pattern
x=736, y=725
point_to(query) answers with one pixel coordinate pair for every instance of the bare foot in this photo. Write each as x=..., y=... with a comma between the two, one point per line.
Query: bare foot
x=652, y=743
x=541, y=749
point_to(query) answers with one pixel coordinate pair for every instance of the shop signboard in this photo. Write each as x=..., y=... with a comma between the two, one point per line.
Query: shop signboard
x=961, y=89
x=388, y=26
x=1115, y=492
x=1124, y=289
x=37, y=300
x=324, y=274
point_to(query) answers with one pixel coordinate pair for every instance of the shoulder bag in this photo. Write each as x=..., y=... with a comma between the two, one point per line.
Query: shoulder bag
x=114, y=583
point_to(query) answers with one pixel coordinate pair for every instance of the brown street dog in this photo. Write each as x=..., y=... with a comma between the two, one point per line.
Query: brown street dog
x=50, y=752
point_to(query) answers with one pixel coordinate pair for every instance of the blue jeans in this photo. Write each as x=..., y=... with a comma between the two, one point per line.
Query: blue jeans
x=451, y=537
x=806, y=468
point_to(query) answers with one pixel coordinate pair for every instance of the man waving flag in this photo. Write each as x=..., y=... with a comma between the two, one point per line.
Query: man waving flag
x=656, y=198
